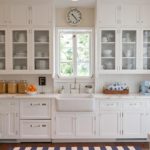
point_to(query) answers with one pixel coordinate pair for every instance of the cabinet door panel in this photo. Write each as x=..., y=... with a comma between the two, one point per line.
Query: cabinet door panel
x=1, y=126
x=85, y=125
x=132, y=125
x=108, y=15
x=130, y=15
x=109, y=124
x=145, y=15
x=19, y=14
x=2, y=14
x=41, y=15
x=64, y=126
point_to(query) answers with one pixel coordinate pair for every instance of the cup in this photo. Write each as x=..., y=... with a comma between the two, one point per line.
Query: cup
x=104, y=39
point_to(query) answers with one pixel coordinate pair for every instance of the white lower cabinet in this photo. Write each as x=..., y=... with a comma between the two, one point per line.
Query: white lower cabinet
x=109, y=124
x=9, y=119
x=35, y=129
x=35, y=119
x=121, y=119
x=74, y=125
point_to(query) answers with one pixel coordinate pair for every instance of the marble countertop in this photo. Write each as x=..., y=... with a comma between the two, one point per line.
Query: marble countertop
x=97, y=95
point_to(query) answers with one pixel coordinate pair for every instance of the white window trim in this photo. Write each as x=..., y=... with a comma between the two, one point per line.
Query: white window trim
x=57, y=54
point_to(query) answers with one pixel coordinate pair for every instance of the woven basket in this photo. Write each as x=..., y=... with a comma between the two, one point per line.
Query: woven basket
x=106, y=91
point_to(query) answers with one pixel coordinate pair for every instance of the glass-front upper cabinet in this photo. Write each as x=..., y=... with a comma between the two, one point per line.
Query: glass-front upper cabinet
x=146, y=49
x=2, y=49
x=41, y=50
x=108, y=49
x=20, y=50
x=129, y=49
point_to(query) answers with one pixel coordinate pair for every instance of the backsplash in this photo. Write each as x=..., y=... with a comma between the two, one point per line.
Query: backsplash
x=34, y=79
x=133, y=81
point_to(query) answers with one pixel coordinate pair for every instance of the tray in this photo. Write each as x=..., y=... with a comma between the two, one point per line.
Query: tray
x=106, y=91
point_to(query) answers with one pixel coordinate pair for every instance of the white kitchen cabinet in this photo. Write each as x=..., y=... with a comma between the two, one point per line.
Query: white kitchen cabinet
x=109, y=124
x=3, y=14
x=144, y=15
x=118, y=50
x=19, y=14
x=72, y=125
x=41, y=15
x=85, y=125
x=35, y=109
x=132, y=124
x=35, y=129
x=64, y=125
x=130, y=15
x=107, y=15
x=9, y=124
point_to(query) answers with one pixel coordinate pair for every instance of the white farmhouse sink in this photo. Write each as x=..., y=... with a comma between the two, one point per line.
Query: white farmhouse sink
x=75, y=102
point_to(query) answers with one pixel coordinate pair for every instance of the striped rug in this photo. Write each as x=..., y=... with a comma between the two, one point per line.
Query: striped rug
x=79, y=148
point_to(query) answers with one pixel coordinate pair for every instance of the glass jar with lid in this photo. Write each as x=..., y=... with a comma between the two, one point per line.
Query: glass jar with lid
x=12, y=87
x=2, y=87
x=22, y=86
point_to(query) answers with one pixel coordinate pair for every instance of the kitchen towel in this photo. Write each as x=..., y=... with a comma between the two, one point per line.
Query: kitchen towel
x=80, y=148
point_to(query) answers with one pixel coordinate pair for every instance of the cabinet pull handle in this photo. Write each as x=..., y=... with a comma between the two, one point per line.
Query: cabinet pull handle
x=43, y=125
x=35, y=104
x=44, y=104
x=34, y=126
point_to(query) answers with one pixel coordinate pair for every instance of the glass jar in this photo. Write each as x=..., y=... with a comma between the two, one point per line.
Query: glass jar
x=12, y=87
x=2, y=87
x=22, y=86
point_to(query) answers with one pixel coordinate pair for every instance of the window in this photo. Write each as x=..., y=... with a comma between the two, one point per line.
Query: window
x=75, y=53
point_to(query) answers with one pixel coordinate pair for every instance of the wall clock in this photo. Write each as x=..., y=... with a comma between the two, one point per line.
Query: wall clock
x=74, y=16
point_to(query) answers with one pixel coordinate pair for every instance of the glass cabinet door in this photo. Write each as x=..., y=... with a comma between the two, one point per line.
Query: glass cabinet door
x=41, y=50
x=108, y=49
x=146, y=49
x=129, y=48
x=19, y=49
x=2, y=49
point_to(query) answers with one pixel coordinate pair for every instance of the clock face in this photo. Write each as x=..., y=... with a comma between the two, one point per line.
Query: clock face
x=74, y=16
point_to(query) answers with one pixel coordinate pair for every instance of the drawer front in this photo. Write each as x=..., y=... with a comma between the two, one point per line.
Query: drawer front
x=35, y=109
x=35, y=129
x=131, y=106
x=109, y=106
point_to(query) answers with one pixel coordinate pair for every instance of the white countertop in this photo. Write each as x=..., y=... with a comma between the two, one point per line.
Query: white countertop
x=98, y=96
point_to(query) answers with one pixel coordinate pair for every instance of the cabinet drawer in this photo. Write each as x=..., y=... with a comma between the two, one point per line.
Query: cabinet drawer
x=109, y=106
x=133, y=106
x=35, y=109
x=35, y=129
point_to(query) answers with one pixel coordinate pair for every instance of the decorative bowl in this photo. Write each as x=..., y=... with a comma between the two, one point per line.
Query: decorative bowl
x=107, y=53
x=31, y=93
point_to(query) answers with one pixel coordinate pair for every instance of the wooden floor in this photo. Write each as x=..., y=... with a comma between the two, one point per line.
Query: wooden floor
x=4, y=146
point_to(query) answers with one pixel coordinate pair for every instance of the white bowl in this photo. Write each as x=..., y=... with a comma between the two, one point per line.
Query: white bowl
x=107, y=52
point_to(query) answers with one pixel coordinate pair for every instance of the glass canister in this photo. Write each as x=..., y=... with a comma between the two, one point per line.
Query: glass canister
x=22, y=86
x=12, y=87
x=2, y=87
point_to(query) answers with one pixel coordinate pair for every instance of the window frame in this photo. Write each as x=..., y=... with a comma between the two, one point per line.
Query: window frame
x=91, y=52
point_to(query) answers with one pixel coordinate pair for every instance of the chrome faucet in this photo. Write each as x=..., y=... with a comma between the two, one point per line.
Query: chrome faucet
x=75, y=86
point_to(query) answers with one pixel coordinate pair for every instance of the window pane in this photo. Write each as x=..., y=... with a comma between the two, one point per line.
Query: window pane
x=83, y=54
x=83, y=69
x=66, y=40
x=66, y=54
x=83, y=40
x=66, y=69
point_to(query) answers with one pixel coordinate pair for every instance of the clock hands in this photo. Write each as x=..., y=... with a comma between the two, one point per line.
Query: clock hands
x=74, y=16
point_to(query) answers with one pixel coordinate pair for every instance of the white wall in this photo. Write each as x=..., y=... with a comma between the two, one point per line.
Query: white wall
x=88, y=17
x=31, y=79
x=133, y=81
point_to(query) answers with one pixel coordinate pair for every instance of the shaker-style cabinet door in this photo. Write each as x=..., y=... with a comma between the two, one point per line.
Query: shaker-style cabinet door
x=64, y=126
x=85, y=125
x=130, y=15
x=19, y=14
x=107, y=15
x=109, y=124
x=41, y=14
x=144, y=15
